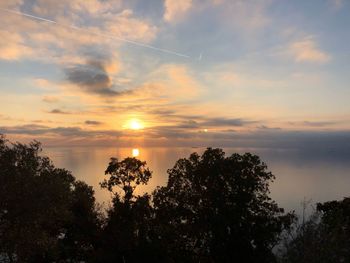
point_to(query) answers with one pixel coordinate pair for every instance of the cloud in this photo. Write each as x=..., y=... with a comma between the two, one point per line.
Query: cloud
x=50, y=99
x=196, y=122
x=265, y=138
x=175, y=9
x=93, y=123
x=13, y=46
x=314, y=123
x=59, y=43
x=306, y=50
x=173, y=81
x=218, y=122
x=93, y=78
x=34, y=129
x=95, y=7
x=308, y=142
x=30, y=129
x=247, y=14
x=58, y=111
x=267, y=128
x=191, y=124
x=337, y=4
x=10, y=4
x=91, y=7
x=124, y=25
x=4, y=117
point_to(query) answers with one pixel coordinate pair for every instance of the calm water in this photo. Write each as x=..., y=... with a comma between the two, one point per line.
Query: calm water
x=320, y=176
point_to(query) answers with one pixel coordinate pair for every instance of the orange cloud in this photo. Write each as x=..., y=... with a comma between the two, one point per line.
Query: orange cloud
x=10, y=4
x=306, y=50
x=47, y=40
x=54, y=7
x=177, y=82
x=50, y=99
x=13, y=48
x=175, y=9
x=124, y=25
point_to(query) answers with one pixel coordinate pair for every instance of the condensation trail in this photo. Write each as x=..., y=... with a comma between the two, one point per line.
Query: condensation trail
x=140, y=44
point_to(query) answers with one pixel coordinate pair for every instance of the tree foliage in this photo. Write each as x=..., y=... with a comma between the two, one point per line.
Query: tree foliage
x=325, y=237
x=45, y=214
x=217, y=209
x=127, y=230
x=126, y=175
x=213, y=209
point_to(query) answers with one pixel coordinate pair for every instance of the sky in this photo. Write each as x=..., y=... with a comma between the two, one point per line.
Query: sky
x=243, y=73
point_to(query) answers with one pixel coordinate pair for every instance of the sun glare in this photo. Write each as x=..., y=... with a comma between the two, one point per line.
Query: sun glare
x=135, y=152
x=135, y=124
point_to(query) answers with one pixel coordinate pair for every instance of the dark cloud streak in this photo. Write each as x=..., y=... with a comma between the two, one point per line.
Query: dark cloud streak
x=58, y=111
x=314, y=123
x=33, y=129
x=88, y=122
x=237, y=122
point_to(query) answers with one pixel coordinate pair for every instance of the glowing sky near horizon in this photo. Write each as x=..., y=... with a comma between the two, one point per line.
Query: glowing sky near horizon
x=253, y=73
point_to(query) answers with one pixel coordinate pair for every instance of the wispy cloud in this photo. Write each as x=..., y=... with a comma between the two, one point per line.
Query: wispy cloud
x=10, y=4
x=61, y=41
x=14, y=48
x=176, y=81
x=93, y=123
x=337, y=4
x=92, y=7
x=317, y=124
x=248, y=15
x=50, y=99
x=176, y=10
x=33, y=129
x=219, y=122
x=59, y=111
x=307, y=50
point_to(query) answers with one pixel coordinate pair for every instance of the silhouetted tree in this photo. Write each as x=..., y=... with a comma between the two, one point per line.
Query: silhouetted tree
x=217, y=209
x=325, y=237
x=42, y=208
x=213, y=209
x=126, y=175
x=128, y=226
x=83, y=229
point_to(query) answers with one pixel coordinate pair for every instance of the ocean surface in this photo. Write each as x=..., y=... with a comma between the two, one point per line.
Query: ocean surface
x=300, y=175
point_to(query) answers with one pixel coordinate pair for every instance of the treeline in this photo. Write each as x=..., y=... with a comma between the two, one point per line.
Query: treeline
x=214, y=208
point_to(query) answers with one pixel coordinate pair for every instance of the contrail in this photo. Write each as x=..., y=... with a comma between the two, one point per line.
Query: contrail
x=140, y=44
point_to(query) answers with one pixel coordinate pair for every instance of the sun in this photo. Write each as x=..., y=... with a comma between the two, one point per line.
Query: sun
x=135, y=124
x=135, y=152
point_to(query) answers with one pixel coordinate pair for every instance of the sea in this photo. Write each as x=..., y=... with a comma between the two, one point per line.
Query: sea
x=302, y=177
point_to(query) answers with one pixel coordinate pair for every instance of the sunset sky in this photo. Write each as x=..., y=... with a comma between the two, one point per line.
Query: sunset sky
x=245, y=73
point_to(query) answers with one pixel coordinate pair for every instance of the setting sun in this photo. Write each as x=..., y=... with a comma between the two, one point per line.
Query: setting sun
x=135, y=124
x=135, y=152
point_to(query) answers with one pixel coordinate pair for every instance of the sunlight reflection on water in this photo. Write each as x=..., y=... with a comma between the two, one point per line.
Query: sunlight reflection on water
x=298, y=174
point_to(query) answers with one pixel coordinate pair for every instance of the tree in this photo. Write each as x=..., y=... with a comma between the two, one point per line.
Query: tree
x=126, y=175
x=83, y=229
x=38, y=207
x=217, y=209
x=325, y=237
x=128, y=225
x=213, y=209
